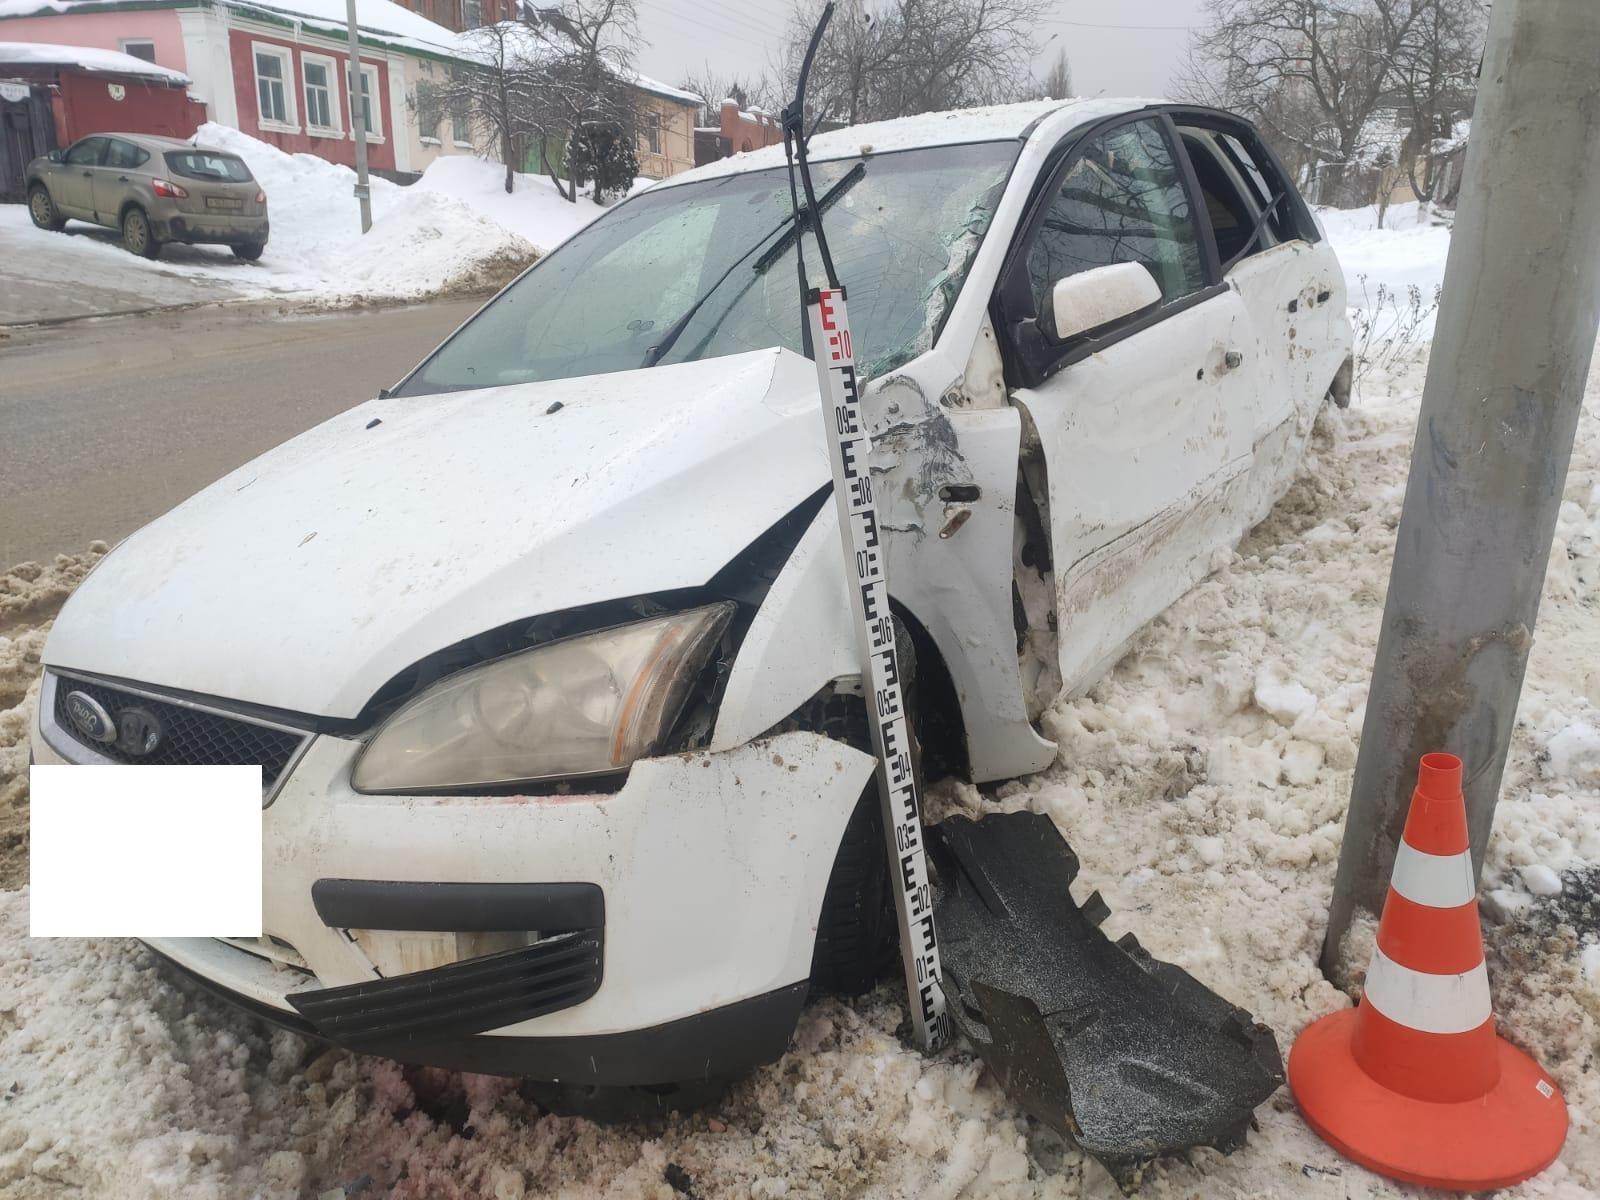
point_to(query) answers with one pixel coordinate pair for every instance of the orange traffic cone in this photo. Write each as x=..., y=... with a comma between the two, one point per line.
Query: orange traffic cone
x=1414, y=1083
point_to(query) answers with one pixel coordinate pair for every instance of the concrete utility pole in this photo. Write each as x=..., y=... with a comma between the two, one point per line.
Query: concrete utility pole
x=1516, y=332
x=357, y=125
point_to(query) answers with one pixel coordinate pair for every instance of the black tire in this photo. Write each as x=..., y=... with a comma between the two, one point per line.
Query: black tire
x=43, y=209
x=858, y=929
x=249, y=251
x=137, y=236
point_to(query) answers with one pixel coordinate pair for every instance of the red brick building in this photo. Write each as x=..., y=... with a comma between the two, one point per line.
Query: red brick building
x=738, y=132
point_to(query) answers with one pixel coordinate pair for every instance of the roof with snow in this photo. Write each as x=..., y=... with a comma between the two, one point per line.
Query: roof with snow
x=995, y=123
x=380, y=20
x=87, y=58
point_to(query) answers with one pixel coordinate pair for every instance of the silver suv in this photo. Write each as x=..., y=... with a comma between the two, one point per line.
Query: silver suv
x=154, y=189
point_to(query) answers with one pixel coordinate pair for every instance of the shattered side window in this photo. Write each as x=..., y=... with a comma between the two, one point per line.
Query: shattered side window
x=706, y=269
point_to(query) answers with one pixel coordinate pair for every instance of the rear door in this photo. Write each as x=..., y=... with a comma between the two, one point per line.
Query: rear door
x=1291, y=285
x=72, y=185
x=1142, y=428
x=122, y=169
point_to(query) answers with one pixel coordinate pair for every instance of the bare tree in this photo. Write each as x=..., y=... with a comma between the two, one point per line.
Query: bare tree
x=1311, y=72
x=495, y=94
x=1058, y=79
x=713, y=88
x=1436, y=73
x=916, y=56
x=585, y=91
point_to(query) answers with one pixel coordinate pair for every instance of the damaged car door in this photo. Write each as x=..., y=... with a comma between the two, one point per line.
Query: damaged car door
x=1141, y=416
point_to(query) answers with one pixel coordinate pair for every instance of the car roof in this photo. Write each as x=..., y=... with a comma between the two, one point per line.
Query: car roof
x=999, y=122
x=152, y=141
x=156, y=142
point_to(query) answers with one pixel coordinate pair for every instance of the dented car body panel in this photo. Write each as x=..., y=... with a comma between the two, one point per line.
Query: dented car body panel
x=1040, y=502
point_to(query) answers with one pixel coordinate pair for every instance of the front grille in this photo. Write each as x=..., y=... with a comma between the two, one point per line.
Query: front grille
x=191, y=736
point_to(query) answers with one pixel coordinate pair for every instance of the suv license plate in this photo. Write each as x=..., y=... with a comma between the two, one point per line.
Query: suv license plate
x=215, y=202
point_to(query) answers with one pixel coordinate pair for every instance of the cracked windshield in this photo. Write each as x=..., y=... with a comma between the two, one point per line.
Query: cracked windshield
x=707, y=269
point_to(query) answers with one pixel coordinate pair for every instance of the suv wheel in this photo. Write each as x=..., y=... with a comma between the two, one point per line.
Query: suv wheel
x=249, y=251
x=137, y=236
x=43, y=209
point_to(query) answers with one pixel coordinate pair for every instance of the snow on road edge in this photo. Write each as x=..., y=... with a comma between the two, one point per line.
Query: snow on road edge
x=455, y=230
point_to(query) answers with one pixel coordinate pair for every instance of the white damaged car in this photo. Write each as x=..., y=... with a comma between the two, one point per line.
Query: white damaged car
x=545, y=654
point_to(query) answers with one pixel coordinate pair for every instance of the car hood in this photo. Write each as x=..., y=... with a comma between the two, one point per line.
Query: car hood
x=308, y=578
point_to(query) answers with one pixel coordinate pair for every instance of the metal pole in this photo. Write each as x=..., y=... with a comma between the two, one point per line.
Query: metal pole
x=357, y=125
x=1516, y=332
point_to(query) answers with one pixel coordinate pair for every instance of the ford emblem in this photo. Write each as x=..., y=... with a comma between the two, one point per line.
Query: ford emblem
x=90, y=717
x=139, y=732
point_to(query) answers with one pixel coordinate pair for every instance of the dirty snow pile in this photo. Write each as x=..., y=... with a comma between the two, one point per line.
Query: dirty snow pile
x=456, y=229
x=1202, y=783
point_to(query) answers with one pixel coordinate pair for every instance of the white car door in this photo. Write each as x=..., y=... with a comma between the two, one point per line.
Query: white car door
x=1144, y=426
x=1290, y=283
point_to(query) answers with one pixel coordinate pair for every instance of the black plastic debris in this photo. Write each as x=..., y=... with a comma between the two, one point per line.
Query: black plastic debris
x=1129, y=1057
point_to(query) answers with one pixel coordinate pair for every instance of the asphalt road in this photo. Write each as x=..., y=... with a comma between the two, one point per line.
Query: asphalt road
x=106, y=424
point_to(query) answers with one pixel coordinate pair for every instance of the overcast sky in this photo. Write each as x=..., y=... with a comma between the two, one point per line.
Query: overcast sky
x=1125, y=48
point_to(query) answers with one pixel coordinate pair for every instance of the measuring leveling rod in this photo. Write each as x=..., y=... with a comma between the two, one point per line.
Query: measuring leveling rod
x=849, y=447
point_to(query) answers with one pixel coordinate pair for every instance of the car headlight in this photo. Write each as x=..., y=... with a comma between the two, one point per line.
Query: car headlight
x=587, y=705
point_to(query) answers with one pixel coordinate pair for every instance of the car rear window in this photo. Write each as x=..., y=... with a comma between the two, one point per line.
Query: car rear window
x=206, y=164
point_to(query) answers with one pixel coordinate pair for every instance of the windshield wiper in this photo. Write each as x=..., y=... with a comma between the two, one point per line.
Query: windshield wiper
x=848, y=180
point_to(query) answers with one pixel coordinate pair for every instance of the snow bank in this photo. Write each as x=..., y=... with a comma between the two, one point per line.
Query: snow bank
x=454, y=230
x=1408, y=252
x=421, y=241
x=534, y=210
x=1203, y=783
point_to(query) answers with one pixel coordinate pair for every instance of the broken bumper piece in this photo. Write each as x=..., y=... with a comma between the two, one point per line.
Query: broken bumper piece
x=1129, y=1057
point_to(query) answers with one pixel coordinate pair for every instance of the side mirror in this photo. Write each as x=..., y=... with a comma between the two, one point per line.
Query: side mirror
x=1087, y=302
x=56, y=155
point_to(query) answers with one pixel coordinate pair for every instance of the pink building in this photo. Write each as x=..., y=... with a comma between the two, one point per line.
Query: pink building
x=275, y=69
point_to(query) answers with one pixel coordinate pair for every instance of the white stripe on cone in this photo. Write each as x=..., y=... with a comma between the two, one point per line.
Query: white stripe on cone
x=1424, y=1002
x=1437, y=880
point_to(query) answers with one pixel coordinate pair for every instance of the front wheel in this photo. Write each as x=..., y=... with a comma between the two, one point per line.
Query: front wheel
x=858, y=929
x=43, y=209
x=137, y=236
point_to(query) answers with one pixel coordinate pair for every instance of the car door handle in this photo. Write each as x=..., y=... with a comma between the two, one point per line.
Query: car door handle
x=123, y=179
x=88, y=174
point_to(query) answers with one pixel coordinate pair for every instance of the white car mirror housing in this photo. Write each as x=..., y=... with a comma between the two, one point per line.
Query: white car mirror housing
x=1087, y=302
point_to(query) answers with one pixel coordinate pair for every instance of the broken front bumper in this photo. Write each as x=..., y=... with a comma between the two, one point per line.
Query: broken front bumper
x=1129, y=1057
x=712, y=868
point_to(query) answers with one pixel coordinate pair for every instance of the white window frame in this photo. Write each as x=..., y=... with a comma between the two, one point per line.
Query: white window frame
x=369, y=72
x=466, y=122
x=329, y=64
x=124, y=43
x=285, y=56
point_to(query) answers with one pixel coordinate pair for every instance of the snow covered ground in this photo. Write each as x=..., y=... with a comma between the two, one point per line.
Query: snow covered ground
x=1202, y=783
x=456, y=229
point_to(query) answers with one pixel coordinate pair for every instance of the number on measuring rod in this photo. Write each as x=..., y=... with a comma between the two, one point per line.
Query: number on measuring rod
x=850, y=449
